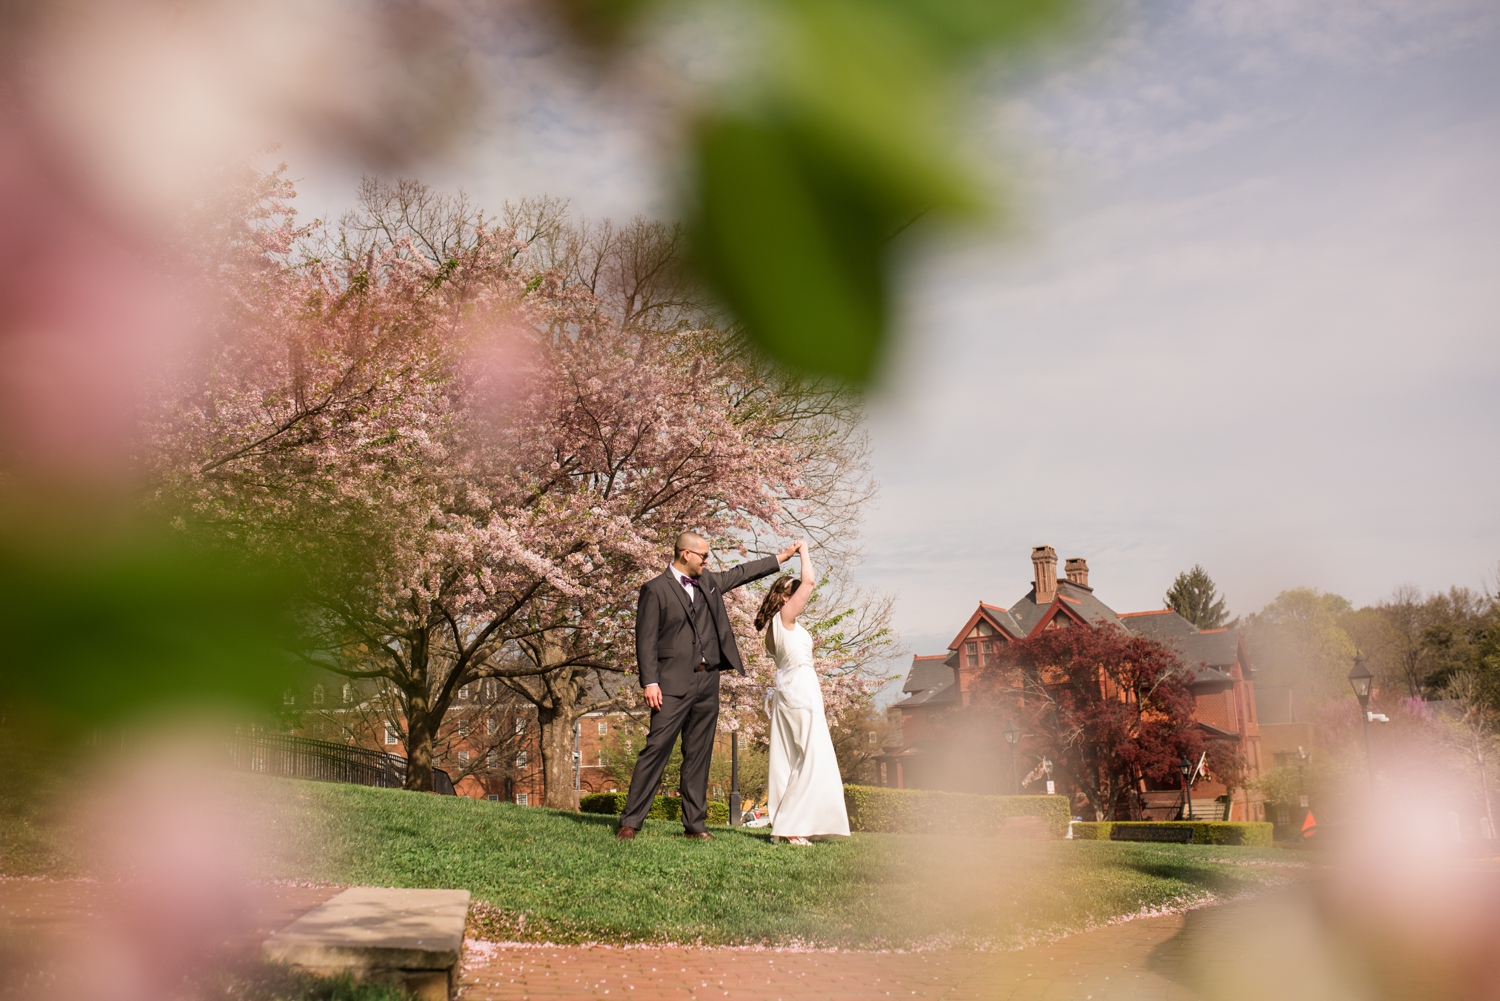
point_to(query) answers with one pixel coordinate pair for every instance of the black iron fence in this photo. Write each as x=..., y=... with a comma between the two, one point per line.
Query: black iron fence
x=305, y=758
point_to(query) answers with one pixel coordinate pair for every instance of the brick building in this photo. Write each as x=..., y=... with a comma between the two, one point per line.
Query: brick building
x=1223, y=689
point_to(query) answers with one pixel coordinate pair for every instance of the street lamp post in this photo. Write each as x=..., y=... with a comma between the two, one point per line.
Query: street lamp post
x=1187, y=787
x=1360, y=680
x=1012, y=735
x=1301, y=784
x=1302, y=801
x=734, y=777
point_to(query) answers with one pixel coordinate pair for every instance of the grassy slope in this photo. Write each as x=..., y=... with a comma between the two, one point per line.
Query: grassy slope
x=561, y=877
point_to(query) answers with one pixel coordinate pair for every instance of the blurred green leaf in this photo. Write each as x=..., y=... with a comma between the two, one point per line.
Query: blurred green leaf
x=106, y=624
x=851, y=136
x=958, y=27
x=844, y=130
x=793, y=246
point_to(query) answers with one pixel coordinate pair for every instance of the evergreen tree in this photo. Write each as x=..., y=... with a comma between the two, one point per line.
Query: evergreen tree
x=1194, y=597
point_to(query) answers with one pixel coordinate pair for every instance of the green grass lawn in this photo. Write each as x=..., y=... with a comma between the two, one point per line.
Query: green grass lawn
x=542, y=875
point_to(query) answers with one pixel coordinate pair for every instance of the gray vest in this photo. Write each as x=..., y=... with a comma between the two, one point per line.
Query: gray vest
x=707, y=631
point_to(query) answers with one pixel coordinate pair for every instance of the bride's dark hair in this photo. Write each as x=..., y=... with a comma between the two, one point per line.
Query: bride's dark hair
x=773, y=601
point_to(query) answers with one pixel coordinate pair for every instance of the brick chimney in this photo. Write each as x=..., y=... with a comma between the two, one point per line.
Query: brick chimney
x=1077, y=569
x=1044, y=568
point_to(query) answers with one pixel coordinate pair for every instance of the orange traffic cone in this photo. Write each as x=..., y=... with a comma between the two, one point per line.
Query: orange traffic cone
x=1309, y=826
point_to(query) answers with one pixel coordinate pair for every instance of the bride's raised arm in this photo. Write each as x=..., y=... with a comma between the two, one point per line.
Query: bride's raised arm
x=798, y=599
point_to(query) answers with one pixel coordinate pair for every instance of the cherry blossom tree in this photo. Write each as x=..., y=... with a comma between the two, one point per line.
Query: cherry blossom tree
x=473, y=463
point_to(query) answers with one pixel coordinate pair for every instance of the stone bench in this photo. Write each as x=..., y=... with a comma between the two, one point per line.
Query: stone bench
x=407, y=938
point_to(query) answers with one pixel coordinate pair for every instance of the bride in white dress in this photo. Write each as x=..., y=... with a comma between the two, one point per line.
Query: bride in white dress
x=804, y=791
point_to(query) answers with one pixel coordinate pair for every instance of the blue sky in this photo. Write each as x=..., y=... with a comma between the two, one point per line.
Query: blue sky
x=1245, y=315
x=1249, y=321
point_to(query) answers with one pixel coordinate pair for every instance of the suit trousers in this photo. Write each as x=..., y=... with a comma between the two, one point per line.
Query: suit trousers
x=695, y=716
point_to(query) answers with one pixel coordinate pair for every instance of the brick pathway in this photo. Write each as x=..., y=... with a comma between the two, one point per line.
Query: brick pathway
x=45, y=924
x=1107, y=964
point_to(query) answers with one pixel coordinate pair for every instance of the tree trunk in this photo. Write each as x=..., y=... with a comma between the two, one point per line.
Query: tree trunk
x=1484, y=786
x=557, y=757
x=420, y=730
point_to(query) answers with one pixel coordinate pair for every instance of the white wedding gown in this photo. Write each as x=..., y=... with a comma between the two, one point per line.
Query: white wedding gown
x=804, y=792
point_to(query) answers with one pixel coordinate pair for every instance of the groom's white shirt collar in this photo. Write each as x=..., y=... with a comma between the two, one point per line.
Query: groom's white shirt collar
x=677, y=575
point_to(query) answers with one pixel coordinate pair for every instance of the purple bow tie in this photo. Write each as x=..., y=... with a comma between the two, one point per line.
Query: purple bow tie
x=689, y=581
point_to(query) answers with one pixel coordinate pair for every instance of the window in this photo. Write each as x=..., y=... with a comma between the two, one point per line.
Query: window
x=463, y=728
x=317, y=695
x=971, y=654
x=287, y=698
x=523, y=799
x=490, y=726
x=577, y=729
x=463, y=692
x=603, y=727
x=874, y=737
x=601, y=758
x=390, y=737
x=493, y=797
x=348, y=692
x=520, y=759
x=520, y=727
x=463, y=757
x=628, y=745
x=492, y=759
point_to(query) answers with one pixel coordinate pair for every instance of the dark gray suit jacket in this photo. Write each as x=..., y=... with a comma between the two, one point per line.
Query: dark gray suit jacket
x=664, y=631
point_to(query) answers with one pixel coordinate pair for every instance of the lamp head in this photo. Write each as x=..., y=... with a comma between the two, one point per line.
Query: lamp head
x=1360, y=679
x=1012, y=733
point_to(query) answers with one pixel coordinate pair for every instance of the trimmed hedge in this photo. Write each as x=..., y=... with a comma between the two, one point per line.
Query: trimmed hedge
x=1205, y=832
x=1091, y=830
x=665, y=807
x=927, y=811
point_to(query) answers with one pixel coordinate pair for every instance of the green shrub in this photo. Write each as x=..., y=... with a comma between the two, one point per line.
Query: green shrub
x=603, y=802
x=1205, y=832
x=1091, y=830
x=925, y=811
x=665, y=807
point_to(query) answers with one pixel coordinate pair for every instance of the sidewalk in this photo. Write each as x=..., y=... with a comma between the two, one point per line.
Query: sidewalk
x=46, y=925
x=1107, y=964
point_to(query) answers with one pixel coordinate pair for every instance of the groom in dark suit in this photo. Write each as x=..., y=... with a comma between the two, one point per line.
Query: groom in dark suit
x=682, y=641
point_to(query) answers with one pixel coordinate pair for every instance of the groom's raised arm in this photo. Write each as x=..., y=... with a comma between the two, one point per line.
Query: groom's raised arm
x=647, y=632
x=732, y=578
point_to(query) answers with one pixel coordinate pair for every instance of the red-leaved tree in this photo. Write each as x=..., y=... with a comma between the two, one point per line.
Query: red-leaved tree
x=1109, y=708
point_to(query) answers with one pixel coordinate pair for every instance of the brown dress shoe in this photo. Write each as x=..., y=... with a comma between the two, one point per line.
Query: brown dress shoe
x=698, y=836
x=625, y=834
